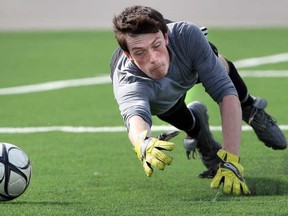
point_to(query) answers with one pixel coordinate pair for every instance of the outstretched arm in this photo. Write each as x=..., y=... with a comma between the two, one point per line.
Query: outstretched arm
x=136, y=126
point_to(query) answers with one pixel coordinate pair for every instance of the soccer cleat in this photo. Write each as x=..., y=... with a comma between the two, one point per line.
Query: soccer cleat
x=190, y=146
x=207, y=146
x=264, y=125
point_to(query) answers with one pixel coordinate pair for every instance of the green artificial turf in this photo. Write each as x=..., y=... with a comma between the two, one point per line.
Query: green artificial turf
x=99, y=173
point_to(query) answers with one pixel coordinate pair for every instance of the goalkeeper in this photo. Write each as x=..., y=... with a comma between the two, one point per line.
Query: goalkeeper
x=155, y=66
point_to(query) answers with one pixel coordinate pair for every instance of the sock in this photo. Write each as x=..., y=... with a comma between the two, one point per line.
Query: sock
x=245, y=98
x=195, y=129
x=247, y=102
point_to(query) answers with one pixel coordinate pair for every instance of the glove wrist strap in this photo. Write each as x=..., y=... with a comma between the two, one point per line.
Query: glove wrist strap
x=141, y=145
x=227, y=156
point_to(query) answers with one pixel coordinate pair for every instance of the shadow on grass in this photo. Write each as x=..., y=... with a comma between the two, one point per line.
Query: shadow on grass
x=267, y=186
x=40, y=203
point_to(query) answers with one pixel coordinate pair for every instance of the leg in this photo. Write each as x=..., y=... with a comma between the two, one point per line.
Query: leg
x=193, y=119
x=253, y=112
x=207, y=146
x=180, y=117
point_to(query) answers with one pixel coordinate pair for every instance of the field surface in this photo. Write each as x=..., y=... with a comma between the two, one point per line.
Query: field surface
x=57, y=104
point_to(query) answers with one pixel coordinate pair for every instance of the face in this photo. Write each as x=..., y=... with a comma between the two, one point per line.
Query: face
x=149, y=53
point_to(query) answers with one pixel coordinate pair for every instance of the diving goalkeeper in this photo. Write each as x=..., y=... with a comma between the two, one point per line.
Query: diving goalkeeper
x=155, y=66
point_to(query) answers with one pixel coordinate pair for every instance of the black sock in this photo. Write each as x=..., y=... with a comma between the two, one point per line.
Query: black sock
x=195, y=130
x=248, y=102
x=245, y=98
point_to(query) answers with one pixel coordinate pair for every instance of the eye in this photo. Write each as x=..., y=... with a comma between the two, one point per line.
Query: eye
x=157, y=45
x=138, y=53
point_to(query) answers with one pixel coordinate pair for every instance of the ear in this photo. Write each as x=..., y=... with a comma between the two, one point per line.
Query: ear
x=166, y=39
x=128, y=55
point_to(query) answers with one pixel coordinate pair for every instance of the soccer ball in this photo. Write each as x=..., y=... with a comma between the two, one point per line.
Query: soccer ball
x=15, y=171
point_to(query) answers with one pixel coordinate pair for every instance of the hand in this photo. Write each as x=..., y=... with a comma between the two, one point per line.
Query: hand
x=230, y=173
x=148, y=150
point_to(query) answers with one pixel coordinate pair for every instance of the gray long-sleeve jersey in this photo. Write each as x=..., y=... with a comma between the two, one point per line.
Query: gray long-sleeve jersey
x=191, y=60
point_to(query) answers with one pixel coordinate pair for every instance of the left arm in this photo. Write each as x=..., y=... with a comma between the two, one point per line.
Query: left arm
x=230, y=171
x=231, y=116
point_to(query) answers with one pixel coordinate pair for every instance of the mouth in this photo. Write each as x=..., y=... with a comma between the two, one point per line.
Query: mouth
x=158, y=72
x=156, y=68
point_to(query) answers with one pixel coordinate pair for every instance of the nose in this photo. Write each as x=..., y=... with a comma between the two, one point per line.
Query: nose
x=153, y=56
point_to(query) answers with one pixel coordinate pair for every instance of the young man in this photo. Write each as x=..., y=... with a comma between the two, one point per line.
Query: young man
x=156, y=64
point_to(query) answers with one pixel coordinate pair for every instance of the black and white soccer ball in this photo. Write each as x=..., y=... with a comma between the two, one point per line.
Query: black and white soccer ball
x=15, y=171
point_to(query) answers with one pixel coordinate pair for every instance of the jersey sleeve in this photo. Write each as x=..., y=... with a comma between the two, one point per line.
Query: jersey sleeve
x=211, y=72
x=133, y=100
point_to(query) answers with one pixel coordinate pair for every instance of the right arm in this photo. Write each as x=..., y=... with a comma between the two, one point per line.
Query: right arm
x=147, y=148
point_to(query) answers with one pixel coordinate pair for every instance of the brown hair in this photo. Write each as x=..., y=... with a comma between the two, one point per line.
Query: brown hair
x=137, y=20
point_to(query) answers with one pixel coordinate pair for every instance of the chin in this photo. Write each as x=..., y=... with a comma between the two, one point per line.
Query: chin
x=159, y=76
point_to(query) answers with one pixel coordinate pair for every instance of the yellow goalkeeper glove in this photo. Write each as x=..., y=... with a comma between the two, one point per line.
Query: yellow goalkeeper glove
x=230, y=173
x=148, y=150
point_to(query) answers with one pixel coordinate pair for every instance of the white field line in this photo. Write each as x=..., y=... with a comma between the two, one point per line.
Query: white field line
x=55, y=85
x=105, y=78
x=252, y=62
x=264, y=73
x=83, y=129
